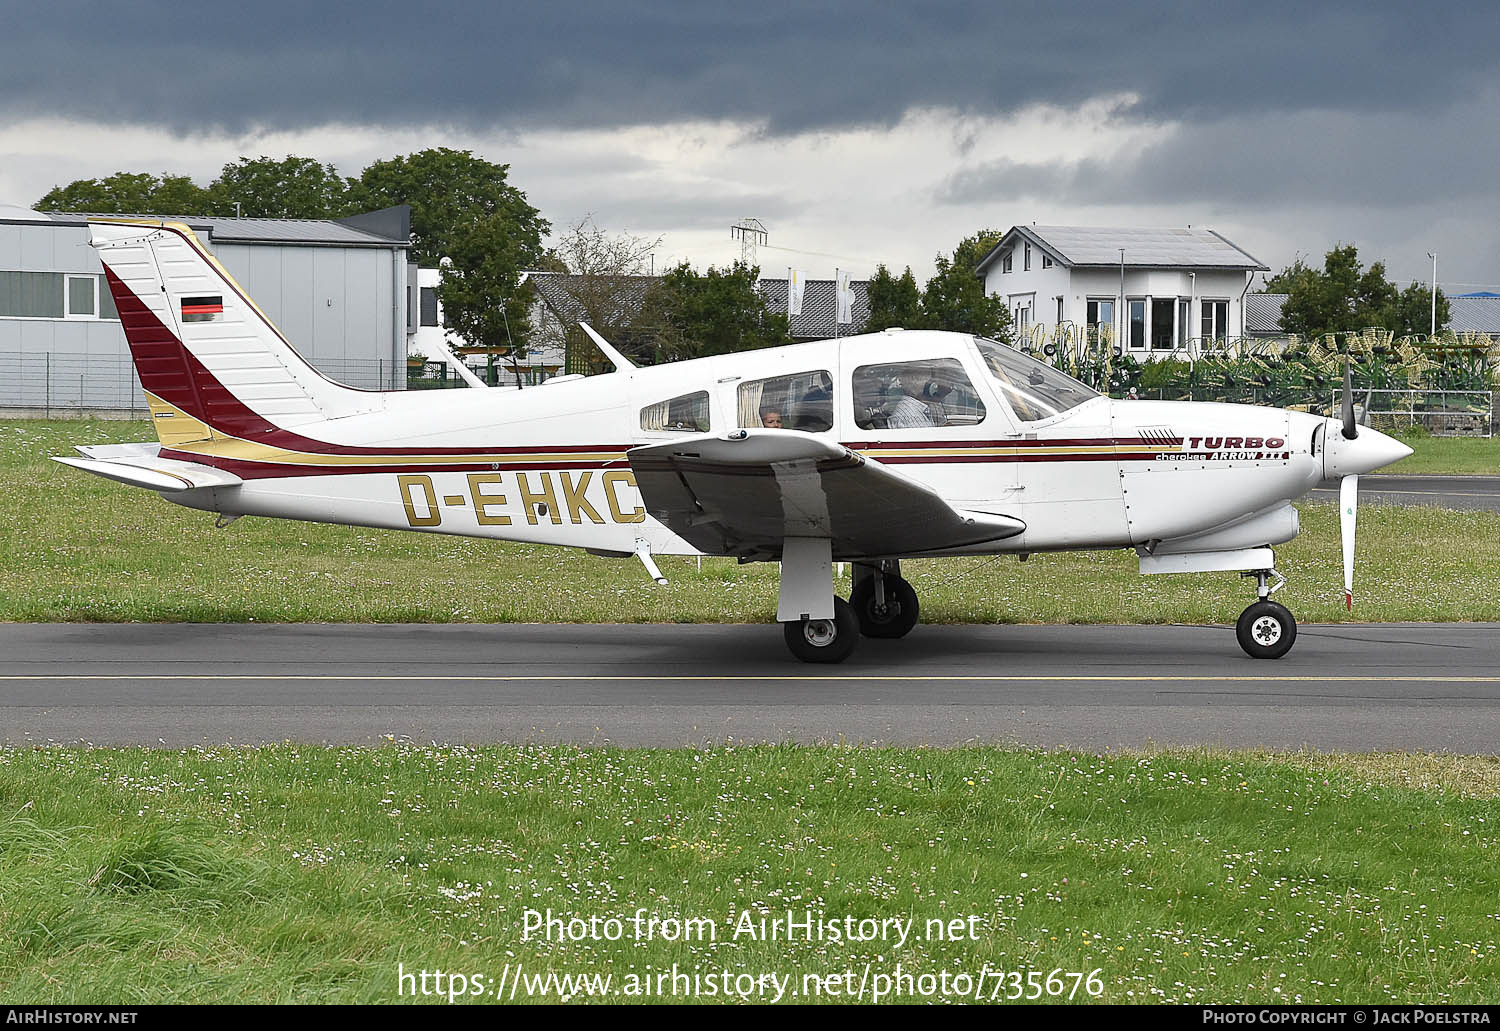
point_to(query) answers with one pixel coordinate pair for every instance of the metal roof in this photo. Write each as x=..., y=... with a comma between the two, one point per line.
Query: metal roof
x=560, y=291
x=1474, y=313
x=1145, y=247
x=1263, y=314
x=293, y=231
x=819, y=306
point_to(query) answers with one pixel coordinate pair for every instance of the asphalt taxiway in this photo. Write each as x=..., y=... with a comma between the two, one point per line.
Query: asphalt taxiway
x=1466, y=493
x=1358, y=687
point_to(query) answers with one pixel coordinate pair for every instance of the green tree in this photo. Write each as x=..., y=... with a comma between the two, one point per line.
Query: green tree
x=128, y=193
x=954, y=299
x=480, y=282
x=292, y=187
x=450, y=192
x=716, y=312
x=1346, y=297
x=894, y=301
x=1413, y=311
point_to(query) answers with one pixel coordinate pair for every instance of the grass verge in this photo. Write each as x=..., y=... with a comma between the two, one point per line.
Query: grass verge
x=307, y=874
x=80, y=548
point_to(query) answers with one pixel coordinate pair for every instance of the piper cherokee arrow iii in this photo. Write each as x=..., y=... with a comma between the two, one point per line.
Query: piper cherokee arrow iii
x=867, y=449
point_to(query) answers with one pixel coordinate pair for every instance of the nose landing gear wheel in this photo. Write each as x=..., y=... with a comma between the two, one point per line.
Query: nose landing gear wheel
x=824, y=640
x=1266, y=630
x=893, y=619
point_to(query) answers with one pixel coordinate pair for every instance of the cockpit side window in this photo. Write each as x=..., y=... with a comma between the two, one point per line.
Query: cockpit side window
x=912, y=395
x=685, y=414
x=802, y=401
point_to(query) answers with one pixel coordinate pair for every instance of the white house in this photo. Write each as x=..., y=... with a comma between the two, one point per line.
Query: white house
x=1158, y=290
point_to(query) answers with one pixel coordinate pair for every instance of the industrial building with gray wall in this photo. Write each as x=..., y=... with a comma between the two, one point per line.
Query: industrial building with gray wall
x=339, y=291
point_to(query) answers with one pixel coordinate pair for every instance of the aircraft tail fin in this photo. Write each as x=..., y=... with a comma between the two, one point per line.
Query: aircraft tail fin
x=210, y=361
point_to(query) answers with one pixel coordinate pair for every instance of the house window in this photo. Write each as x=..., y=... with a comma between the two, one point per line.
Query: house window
x=1027, y=266
x=429, y=306
x=1059, y=311
x=107, y=309
x=685, y=414
x=31, y=295
x=1136, y=308
x=1183, y=318
x=1215, y=322
x=801, y=402
x=1162, y=309
x=1046, y=260
x=1005, y=261
x=83, y=297
x=1099, y=314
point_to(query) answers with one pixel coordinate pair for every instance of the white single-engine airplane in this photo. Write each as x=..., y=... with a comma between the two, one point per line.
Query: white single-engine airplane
x=867, y=449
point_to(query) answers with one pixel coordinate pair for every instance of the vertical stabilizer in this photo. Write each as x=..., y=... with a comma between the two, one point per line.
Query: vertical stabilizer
x=210, y=361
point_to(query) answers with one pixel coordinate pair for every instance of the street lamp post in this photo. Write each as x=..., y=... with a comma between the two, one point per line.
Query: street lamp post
x=1432, y=332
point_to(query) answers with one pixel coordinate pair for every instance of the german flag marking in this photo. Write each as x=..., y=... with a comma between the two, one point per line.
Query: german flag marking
x=202, y=309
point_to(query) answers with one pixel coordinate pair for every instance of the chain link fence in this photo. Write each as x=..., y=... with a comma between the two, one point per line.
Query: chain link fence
x=66, y=383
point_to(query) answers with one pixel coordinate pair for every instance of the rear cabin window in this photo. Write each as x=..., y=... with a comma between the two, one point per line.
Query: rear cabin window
x=803, y=401
x=685, y=414
x=914, y=395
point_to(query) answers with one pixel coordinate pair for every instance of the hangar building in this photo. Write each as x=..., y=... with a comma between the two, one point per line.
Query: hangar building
x=341, y=291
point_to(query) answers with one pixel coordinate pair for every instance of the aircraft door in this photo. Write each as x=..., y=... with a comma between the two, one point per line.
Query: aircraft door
x=926, y=411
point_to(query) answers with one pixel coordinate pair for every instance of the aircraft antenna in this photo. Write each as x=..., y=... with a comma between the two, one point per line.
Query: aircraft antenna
x=750, y=232
x=513, y=367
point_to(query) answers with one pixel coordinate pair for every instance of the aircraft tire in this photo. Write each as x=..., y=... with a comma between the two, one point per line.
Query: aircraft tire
x=897, y=617
x=824, y=640
x=1266, y=630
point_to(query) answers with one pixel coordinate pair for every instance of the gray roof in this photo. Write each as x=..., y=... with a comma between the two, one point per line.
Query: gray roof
x=370, y=230
x=1474, y=313
x=560, y=291
x=1145, y=247
x=1263, y=314
x=818, y=307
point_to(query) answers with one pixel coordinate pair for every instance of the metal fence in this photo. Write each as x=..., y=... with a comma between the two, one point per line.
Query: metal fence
x=1443, y=413
x=62, y=383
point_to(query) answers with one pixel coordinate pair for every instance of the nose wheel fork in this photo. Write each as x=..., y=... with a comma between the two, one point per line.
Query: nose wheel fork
x=1266, y=629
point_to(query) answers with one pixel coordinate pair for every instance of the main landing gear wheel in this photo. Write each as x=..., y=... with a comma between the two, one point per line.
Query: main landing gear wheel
x=894, y=617
x=1266, y=630
x=824, y=640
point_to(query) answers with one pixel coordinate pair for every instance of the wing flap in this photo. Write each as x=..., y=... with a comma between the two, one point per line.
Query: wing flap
x=746, y=493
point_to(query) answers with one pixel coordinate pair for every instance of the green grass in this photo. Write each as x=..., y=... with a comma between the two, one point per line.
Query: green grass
x=1452, y=456
x=79, y=548
x=302, y=874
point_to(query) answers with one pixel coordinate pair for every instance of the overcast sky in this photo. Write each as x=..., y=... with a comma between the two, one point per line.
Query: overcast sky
x=858, y=132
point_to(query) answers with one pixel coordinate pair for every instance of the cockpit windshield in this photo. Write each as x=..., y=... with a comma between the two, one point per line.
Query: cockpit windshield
x=1035, y=390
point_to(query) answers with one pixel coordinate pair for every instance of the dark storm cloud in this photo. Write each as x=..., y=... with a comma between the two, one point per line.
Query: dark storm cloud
x=1333, y=159
x=285, y=64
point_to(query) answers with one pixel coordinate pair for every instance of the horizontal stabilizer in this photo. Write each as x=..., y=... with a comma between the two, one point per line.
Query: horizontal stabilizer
x=153, y=473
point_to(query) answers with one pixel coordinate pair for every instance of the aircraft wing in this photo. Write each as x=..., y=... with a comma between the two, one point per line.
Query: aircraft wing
x=140, y=466
x=745, y=493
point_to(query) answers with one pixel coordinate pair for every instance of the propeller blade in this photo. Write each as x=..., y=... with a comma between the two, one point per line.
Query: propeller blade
x=1348, y=514
x=1351, y=430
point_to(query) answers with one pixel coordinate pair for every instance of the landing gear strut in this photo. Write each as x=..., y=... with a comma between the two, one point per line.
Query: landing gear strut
x=1266, y=630
x=885, y=604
